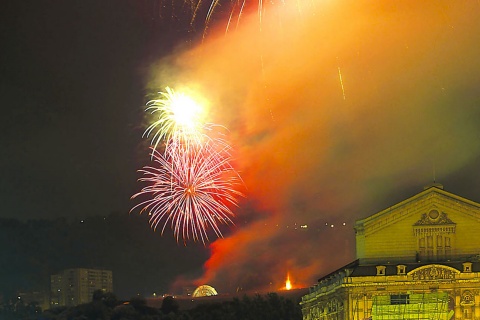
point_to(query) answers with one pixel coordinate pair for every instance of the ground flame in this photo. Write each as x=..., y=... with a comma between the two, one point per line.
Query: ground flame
x=288, y=283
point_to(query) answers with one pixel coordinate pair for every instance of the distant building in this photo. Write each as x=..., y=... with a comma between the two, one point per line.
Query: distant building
x=72, y=287
x=418, y=259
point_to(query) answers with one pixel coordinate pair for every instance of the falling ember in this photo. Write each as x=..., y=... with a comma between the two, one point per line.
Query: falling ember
x=288, y=284
x=341, y=82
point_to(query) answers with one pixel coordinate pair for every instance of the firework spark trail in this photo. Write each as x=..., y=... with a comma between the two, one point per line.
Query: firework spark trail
x=260, y=12
x=228, y=22
x=341, y=82
x=213, y=5
x=195, y=10
x=240, y=12
x=191, y=191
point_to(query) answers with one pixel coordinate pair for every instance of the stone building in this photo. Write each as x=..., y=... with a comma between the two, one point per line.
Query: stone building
x=418, y=259
x=72, y=287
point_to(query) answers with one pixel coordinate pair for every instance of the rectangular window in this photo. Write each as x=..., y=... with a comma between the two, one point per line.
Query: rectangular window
x=439, y=241
x=422, y=243
x=447, y=242
x=430, y=241
x=399, y=299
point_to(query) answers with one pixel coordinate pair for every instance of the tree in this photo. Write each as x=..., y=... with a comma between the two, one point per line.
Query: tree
x=169, y=304
x=107, y=298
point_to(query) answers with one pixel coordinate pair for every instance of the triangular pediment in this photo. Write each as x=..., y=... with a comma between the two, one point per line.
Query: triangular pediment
x=433, y=206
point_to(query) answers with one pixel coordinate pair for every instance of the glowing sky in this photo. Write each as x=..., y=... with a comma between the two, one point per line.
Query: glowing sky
x=336, y=109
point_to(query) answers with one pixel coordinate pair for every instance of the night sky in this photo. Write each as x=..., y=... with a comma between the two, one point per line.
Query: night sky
x=336, y=110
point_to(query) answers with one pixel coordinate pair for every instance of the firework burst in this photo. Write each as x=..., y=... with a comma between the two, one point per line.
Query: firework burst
x=191, y=191
x=178, y=118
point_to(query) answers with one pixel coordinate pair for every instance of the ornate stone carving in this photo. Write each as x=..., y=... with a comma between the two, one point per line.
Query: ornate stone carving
x=467, y=298
x=433, y=273
x=434, y=222
x=434, y=217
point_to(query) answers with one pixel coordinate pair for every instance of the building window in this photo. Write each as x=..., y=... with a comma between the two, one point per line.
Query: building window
x=421, y=245
x=433, y=232
x=447, y=242
x=399, y=299
x=448, y=249
x=381, y=270
x=439, y=241
x=467, y=267
x=429, y=241
x=401, y=269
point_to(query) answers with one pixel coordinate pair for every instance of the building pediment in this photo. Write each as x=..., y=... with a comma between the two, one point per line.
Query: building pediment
x=433, y=272
x=430, y=206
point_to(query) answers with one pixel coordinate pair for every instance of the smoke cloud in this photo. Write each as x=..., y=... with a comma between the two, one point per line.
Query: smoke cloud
x=336, y=109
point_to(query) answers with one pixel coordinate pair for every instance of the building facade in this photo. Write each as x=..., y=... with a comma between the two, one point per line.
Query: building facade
x=419, y=259
x=72, y=287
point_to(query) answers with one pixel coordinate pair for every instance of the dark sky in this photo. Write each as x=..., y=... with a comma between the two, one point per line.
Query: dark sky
x=335, y=111
x=72, y=99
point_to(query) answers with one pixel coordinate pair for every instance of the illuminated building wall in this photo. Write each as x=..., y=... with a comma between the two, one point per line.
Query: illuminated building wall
x=72, y=287
x=418, y=259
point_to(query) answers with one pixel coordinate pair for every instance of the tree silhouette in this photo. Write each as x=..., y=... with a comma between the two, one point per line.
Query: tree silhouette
x=169, y=305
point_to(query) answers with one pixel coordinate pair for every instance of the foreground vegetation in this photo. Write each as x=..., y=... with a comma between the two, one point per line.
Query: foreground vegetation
x=105, y=306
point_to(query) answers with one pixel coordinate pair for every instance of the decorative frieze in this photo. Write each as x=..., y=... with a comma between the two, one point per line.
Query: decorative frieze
x=433, y=272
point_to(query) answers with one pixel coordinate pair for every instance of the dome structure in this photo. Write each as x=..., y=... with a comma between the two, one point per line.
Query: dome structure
x=204, y=291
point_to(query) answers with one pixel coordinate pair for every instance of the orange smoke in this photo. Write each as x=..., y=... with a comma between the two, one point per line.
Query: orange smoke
x=333, y=112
